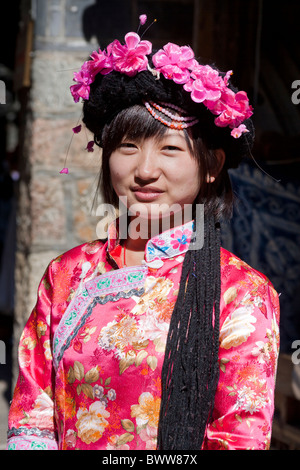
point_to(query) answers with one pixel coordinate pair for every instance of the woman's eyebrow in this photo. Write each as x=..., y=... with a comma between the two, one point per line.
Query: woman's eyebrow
x=172, y=136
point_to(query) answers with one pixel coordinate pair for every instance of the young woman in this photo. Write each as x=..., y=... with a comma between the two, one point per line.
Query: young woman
x=156, y=338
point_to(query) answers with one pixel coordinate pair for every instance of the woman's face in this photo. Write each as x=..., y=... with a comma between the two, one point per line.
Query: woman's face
x=157, y=175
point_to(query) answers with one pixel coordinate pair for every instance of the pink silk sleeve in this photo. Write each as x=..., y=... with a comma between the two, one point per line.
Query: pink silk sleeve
x=31, y=416
x=249, y=347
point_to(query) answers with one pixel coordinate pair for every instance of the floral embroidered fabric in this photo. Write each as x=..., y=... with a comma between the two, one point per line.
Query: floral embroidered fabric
x=92, y=350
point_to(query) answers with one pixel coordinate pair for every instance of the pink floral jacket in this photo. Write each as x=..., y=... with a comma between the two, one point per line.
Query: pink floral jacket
x=91, y=353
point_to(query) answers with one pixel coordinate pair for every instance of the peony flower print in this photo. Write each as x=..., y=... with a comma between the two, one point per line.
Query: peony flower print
x=26, y=346
x=42, y=414
x=91, y=423
x=48, y=352
x=237, y=328
x=156, y=290
x=70, y=438
x=154, y=330
x=149, y=435
x=117, y=335
x=147, y=411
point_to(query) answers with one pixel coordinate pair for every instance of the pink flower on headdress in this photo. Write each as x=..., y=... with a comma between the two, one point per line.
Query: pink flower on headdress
x=238, y=131
x=100, y=63
x=205, y=84
x=143, y=19
x=82, y=87
x=90, y=146
x=232, y=108
x=175, y=62
x=131, y=57
x=77, y=129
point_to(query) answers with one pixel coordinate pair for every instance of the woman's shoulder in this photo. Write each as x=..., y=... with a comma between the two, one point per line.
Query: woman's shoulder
x=88, y=252
x=241, y=284
x=233, y=266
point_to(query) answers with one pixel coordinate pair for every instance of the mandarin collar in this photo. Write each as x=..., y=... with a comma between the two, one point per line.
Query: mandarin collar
x=168, y=244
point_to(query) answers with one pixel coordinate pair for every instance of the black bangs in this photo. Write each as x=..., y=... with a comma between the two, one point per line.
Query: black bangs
x=133, y=123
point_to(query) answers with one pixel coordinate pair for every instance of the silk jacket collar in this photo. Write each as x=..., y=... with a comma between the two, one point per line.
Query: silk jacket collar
x=168, y=244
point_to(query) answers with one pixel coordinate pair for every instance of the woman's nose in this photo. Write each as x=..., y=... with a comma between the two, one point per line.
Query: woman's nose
x=147, y=165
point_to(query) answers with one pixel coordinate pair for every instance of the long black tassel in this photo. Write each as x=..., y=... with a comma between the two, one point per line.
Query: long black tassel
x=190, y=371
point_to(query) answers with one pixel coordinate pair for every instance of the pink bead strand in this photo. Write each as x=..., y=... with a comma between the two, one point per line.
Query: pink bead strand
x=181, y=122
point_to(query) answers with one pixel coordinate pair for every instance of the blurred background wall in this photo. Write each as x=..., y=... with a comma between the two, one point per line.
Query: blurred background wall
x=43, y=213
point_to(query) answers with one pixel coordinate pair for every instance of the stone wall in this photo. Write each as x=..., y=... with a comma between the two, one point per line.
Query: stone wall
x=54, y=210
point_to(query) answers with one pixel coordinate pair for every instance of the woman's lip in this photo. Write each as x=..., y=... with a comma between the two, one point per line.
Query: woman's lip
x=147, y=189
x=147, y=193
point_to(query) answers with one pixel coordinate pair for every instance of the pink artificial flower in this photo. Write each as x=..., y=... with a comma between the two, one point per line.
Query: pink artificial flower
x=82, y=87
x=100, y=63
x=64, y=171
x=143, y=19
x=238, y=131
x=232, y=109
x=90, y=146
x=175, y=62
x=227, y=76
x=205, y=84
x=77, y=129
x=131, y=57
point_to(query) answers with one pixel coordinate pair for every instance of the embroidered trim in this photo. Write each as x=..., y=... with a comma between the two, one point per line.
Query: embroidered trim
x=66, y=325
x=97, y=300
x=171, y=243
x=30, y=443
x=109, y=287
x=117, y=281
x=31, y=431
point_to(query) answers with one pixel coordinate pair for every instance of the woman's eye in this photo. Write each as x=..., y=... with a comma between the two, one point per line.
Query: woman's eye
x=172, y=148
x=127, y=145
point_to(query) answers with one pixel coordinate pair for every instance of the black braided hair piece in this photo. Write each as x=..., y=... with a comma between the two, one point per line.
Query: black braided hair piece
x=190, y=371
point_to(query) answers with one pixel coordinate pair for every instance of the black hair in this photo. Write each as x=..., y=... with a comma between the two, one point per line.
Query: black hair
x=190, y=370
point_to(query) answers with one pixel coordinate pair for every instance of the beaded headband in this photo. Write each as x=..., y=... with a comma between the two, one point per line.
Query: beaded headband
x=174, y=121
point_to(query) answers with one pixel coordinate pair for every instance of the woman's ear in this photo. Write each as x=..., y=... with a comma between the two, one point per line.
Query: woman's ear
x=220, y=160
